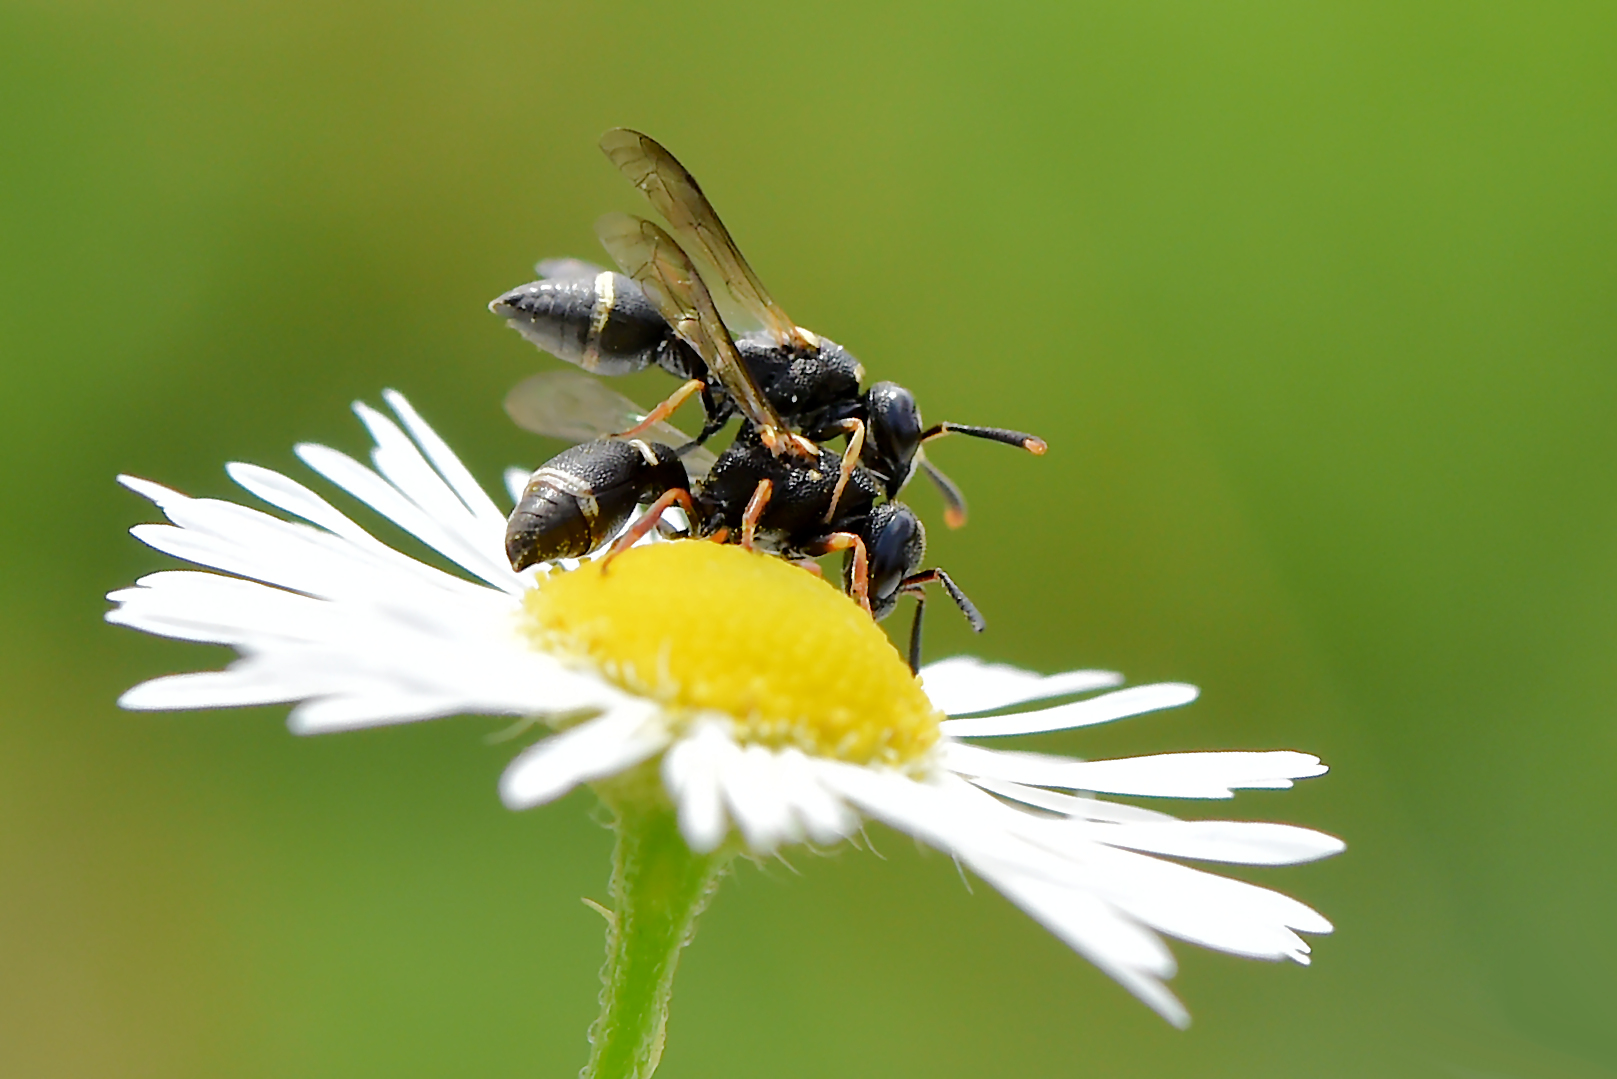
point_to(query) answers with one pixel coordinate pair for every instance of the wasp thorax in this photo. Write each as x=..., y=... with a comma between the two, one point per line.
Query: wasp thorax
x=789, y=659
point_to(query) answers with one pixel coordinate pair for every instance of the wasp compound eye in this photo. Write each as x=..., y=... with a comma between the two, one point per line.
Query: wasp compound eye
x=895, y=431
x=897, y=545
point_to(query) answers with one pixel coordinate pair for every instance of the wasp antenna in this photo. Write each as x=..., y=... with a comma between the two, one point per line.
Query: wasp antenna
x=914, y=582
x=1032, y=443
x=954, y=500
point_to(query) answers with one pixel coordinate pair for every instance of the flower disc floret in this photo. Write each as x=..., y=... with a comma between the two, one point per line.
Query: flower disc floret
x=705, y=628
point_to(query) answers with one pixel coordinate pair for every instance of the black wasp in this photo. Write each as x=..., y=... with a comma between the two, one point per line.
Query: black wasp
x=795, y=387
x=582, y=497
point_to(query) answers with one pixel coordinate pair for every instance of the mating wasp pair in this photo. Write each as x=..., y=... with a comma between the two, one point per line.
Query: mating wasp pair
x=777, y=488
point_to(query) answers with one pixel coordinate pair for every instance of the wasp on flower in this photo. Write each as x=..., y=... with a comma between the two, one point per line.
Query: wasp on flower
x=707, y=739
x=777, y=487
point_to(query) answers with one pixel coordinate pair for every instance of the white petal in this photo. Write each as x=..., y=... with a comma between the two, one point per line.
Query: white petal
x=1070, y=805
x=1038, y=881
x=400, y=462
x=1165, y=775
x=825, y=819
x=691, y=777
x=1203, y=908
x=918, y=808
x=416, y=653
x=236, y=539
x=444, y=460
x=208, y=689
x=291, y=496
x=1122, y=948
x=1214, y=911
x=964, y=684
x=752, y=792
x=386, y=499
x=593, y=749
x=1133, y=701
x=1238, y=842
x=381, y=707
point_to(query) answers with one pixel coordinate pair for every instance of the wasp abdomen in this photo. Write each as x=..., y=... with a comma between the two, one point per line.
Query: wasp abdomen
x=583, y=496
x=602, y=323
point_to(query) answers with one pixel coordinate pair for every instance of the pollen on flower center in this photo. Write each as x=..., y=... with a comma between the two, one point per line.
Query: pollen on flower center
x=705, y=627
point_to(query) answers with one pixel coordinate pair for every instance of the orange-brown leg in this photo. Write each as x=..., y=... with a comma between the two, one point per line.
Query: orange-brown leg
x=636, y=531
x=665, y=409
x=859, y=587
x=755, y=509
x=850, y=459
x=782, y=441
x=810, y=565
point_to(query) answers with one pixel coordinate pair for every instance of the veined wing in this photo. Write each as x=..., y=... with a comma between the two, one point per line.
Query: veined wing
x=664, y=272
x=567, y=269
x=574, y=407
x=675, y=194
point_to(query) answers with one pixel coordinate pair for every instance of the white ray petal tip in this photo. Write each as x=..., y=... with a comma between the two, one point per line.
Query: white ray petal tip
x=243, y=472
x=519, y=791
x=135, y=699
x=701, y=836
x=1309, y=766
x=154, y=695
x=147, y=489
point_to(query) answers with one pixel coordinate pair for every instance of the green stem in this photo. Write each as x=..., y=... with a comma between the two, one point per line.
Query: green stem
x=659, y=886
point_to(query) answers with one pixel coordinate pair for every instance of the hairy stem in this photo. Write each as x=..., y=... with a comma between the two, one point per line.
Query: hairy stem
x=659, y=886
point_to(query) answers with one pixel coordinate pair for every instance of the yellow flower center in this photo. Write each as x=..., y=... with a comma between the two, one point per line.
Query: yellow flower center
x=705, y=627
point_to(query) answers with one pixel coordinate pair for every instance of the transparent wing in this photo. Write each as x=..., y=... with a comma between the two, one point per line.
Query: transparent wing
x=675, y=194
x=574, y=407
x=661, y=269
x=567, y=269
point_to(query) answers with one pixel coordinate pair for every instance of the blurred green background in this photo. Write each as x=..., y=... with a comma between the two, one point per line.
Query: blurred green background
x=1314, y=303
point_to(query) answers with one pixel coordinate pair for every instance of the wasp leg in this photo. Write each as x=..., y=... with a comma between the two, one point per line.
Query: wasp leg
x=650, y=520
x=954, y=500
x=672, y=531
x=809, y=565
x=755, y=509
x=912, y=584
x=850, y=459
x=721, y=535
x=780, y=441
x=859, y=587
x=1032, y=443
x=915, y=632
x=665, y=409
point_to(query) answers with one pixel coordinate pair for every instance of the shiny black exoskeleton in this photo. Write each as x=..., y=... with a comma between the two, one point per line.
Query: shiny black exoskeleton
x=792, y=519
x=896, y=542
x=595, y=318
x=603, y=322
x=793, y=509
x=582, y=497
x=785, y=380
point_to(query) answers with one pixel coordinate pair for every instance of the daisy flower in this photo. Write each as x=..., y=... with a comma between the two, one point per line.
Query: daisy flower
x=720, y=701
